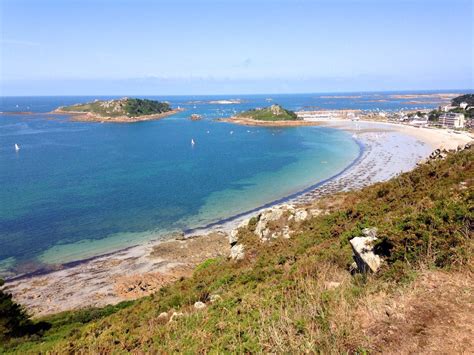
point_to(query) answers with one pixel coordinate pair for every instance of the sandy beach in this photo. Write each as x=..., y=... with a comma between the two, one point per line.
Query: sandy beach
x=389, y=149
x=244, y=121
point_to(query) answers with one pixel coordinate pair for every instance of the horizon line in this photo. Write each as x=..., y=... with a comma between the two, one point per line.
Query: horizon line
x=469, y=90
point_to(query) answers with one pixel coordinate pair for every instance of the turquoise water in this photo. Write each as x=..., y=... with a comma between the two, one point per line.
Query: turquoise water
x=76, y=190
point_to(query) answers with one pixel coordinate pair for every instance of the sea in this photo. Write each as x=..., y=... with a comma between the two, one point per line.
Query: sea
x=76, y=190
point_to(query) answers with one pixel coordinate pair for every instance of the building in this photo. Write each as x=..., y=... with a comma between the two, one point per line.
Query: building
x=452, y=120
x=420, y=122
x=447, y=108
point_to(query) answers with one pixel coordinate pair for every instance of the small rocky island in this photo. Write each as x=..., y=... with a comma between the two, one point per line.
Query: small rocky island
x=119, y=110
x=274, y=115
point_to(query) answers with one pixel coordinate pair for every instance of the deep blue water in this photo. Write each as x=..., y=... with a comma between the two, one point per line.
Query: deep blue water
x=80, y=189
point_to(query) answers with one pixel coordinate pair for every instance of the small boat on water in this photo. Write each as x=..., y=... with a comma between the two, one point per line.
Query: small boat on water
x=17, y=147
x=193, y=142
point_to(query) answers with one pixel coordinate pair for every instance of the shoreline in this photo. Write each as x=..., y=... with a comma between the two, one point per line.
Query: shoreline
x=243, y=121
x=388, y=149
x=225, y=224
x=90, y=117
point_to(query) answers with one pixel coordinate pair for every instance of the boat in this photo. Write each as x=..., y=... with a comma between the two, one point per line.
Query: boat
x=17, y=147
x=193, y=142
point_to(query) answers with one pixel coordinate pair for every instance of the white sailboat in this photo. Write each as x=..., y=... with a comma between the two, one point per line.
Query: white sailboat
x=193, y=142
x=17, y=147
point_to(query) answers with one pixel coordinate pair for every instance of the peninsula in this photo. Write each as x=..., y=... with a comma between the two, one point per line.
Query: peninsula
x=120, y=110
x=274, y=115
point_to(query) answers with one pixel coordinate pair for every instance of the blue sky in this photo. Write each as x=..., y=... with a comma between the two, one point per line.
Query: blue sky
x=51, y=47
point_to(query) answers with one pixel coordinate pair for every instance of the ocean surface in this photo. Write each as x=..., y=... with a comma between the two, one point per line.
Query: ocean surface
x=75, y=190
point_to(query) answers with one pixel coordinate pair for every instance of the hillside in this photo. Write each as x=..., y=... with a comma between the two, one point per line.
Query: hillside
x=272, y=113
x=118, y=110
x=299, y=295
x=468, y=98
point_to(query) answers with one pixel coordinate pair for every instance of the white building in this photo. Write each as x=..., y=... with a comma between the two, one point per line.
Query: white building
x=447, y=108
x=420, y=122
x=452, y=120
x=463, y=105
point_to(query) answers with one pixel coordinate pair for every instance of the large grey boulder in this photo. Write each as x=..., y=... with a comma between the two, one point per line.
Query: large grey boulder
x=363, y=249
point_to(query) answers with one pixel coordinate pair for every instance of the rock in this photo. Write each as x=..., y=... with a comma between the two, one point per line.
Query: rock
x=301, y=215
x=237, y=252
x=214, y=298
x=271, y=215
x=364, y=254
x=163, y=315
x=286, y=233
x=233, y=237
x=370, y=232
x=175, y=315
x=199, y=305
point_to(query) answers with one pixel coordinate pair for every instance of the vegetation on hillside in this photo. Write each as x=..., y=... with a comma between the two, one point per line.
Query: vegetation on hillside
x=272, y=113
x=456, y=102
x=295, y=295
x=122, y=107
x=468, y=98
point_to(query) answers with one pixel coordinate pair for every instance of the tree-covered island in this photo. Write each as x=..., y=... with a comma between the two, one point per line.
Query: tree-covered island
x=119, y=110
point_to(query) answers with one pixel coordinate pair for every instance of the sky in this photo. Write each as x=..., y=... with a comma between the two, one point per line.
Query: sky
x=179, y=47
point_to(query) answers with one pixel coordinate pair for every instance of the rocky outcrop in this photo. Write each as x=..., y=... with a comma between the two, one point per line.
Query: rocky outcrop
x=441, y=154
x=363, y=251
x=270, y=224
x=275, y=222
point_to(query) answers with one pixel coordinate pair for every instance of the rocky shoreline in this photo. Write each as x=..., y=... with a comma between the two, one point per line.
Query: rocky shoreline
x=143, y=269
x=90, y=117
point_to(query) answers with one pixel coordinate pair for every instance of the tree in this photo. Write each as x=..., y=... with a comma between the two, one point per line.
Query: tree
x=14, y=321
